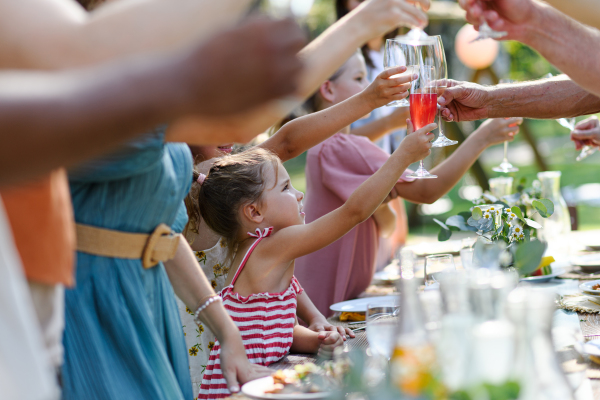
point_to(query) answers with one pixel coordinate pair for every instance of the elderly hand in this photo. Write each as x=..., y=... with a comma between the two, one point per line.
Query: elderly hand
x=586, y=133
x=499, y=130
x=511, y=16
x=464, y=101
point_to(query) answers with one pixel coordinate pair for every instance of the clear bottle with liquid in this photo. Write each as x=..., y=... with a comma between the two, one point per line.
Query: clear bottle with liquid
x=559, y=224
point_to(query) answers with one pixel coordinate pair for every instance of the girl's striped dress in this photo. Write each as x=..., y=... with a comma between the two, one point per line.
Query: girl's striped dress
x=265, y=320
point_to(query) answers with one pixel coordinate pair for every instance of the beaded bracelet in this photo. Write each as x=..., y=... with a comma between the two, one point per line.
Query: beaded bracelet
x=202, y=300
x=203, y=307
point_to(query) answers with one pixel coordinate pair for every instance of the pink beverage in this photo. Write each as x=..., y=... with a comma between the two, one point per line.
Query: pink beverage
x=423, y=107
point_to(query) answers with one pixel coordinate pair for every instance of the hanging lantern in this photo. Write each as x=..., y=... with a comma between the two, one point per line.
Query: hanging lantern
x=476, y=55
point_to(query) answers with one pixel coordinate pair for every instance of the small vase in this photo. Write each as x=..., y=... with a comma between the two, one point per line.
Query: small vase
x=556, y=228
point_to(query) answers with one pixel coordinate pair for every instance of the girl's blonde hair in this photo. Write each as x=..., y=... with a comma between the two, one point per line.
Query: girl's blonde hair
x=233, y=181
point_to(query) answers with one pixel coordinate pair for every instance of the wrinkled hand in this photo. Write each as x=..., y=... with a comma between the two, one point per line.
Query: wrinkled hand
x=385, y=89
x=510, y=16
x=416, y=145
x=321, y=325
x=464, y=101
x=586, y=133
x=382, y=16
x=235, y=366
x=243, y=67
x=329, y=341
x=499, y=130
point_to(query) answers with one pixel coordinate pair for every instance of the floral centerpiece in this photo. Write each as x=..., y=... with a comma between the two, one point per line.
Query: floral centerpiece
x=509, y=220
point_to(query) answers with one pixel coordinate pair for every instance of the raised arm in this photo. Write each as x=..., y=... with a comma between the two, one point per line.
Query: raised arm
x=555, y=97
x=302, y=133
x=321, y=58
x=375, y=130
x=56, y=34
x=450, y=171
x=563, y=41
x=361, y=205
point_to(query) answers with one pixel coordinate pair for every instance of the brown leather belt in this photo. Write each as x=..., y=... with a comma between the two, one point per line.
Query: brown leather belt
x=159, y=246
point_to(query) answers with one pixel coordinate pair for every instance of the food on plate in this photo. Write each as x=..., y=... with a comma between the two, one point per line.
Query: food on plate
x=596, y=286
x=352, y=316
x=309, y=378
x=544, y=268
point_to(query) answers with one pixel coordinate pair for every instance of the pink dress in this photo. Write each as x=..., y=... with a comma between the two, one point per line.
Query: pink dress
x=266, y=322
x=344, y=269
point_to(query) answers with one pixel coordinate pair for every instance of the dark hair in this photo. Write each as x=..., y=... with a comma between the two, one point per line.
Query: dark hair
x=341, y=10
x=233, y=181
x=90, y=4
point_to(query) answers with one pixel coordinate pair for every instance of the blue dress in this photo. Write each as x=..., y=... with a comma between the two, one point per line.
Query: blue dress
x=123, y=337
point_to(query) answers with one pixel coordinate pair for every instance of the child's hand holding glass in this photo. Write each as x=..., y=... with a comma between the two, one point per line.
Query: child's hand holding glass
x=388, y=86
x=498, y=130
x=416, y=145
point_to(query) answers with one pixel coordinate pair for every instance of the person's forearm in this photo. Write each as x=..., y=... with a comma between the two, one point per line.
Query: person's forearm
x=449, y=172
x=306, y=309
x=374, y=130
x=566, y=44
x=305, y=341
x=301, y=134
x=557, y=97
x=50, y=34
x=585, y=11
x=385, y=218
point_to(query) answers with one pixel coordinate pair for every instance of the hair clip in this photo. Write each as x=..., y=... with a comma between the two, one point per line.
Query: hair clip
x=201, y=178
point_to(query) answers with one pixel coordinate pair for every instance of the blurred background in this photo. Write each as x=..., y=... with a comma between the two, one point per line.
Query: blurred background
x=540, y=145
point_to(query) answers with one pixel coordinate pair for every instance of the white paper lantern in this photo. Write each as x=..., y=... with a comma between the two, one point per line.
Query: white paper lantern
x=477, y=55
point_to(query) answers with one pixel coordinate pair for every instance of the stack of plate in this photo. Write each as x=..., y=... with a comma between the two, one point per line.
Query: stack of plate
x=587, y=288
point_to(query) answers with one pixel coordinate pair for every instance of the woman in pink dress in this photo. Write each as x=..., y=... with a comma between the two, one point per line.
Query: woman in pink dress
x=337, y=166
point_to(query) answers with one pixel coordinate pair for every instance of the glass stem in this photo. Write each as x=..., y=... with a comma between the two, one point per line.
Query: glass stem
x=440, y=123
x=505, y=152
x=421, y=167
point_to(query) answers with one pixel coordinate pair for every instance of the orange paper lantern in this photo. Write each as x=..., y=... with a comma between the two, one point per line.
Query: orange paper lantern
x=477, y=55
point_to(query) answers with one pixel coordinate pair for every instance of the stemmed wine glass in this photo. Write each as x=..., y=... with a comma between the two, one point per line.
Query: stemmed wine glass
x=485, y=32
x=505, y=166
x=587, y=150
x=397, y=54
x=441, y=84
x=423, y=107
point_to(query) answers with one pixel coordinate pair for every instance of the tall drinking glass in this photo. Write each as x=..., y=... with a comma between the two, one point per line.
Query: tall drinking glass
x=505, y=166
x=398, y=54
x=437, y=264
x=423, y=107
x=441, y=84
x=381, y=328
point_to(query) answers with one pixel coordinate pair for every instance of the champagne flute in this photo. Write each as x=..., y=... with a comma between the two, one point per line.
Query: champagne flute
x=441, y=84
x=397, y=54
x=505, y=166
x=423, y=107
x=586, y=150
x=485, y=32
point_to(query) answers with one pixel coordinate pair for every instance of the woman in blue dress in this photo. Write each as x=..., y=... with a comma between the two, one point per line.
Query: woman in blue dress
x=123, y=336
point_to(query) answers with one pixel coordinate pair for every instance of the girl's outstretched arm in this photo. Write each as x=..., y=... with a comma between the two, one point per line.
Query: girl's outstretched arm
x=375, y=130
x=298, y=240
x=449, y=172
x=301, y=134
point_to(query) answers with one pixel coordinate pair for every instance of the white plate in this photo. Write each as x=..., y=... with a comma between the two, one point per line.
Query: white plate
x=544, y=278
x=360, y=305
x=587, y=287
x=386, y=275
x=588, y=263
x=256, y=389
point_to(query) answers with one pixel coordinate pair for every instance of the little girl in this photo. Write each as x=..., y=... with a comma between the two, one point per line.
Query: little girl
x=248, y=199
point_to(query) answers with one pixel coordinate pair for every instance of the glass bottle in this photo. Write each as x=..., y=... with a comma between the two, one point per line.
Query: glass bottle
x=536, y=367
x=413, y=363
x=560, y=222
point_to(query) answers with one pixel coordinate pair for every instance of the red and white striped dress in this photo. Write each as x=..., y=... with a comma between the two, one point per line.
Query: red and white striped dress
x=265, y=320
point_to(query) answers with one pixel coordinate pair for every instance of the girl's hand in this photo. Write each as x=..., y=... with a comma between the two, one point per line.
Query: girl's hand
x=498, y=130
x=385, y=89
x=321, y=325
x=329, y=341
x=416, y=145
x=381, y=16
x=235, y=366
x=586, y=133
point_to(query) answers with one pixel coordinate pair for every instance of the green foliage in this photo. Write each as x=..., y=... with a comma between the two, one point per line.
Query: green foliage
x=528, y=256
x=526, y=63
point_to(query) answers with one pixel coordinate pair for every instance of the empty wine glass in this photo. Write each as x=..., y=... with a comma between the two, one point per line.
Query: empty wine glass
x=485, y=32
x=398, y=54
x=423, y=107
x=586, y=150
x=441, y=84
x=505, y=166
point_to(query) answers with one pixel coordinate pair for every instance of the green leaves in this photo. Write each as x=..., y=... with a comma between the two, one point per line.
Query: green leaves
x=517, y=211
x=477, y=213
x=543, y=206
x=532, y=223
x=458, y=221
x=445, y=233
x=528, y=256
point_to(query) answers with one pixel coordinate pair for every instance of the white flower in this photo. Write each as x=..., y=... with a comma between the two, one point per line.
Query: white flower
x=521, y=236
x=486, y=215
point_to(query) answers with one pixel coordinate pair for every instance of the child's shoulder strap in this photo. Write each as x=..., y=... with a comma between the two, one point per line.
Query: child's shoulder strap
x=260, y=235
